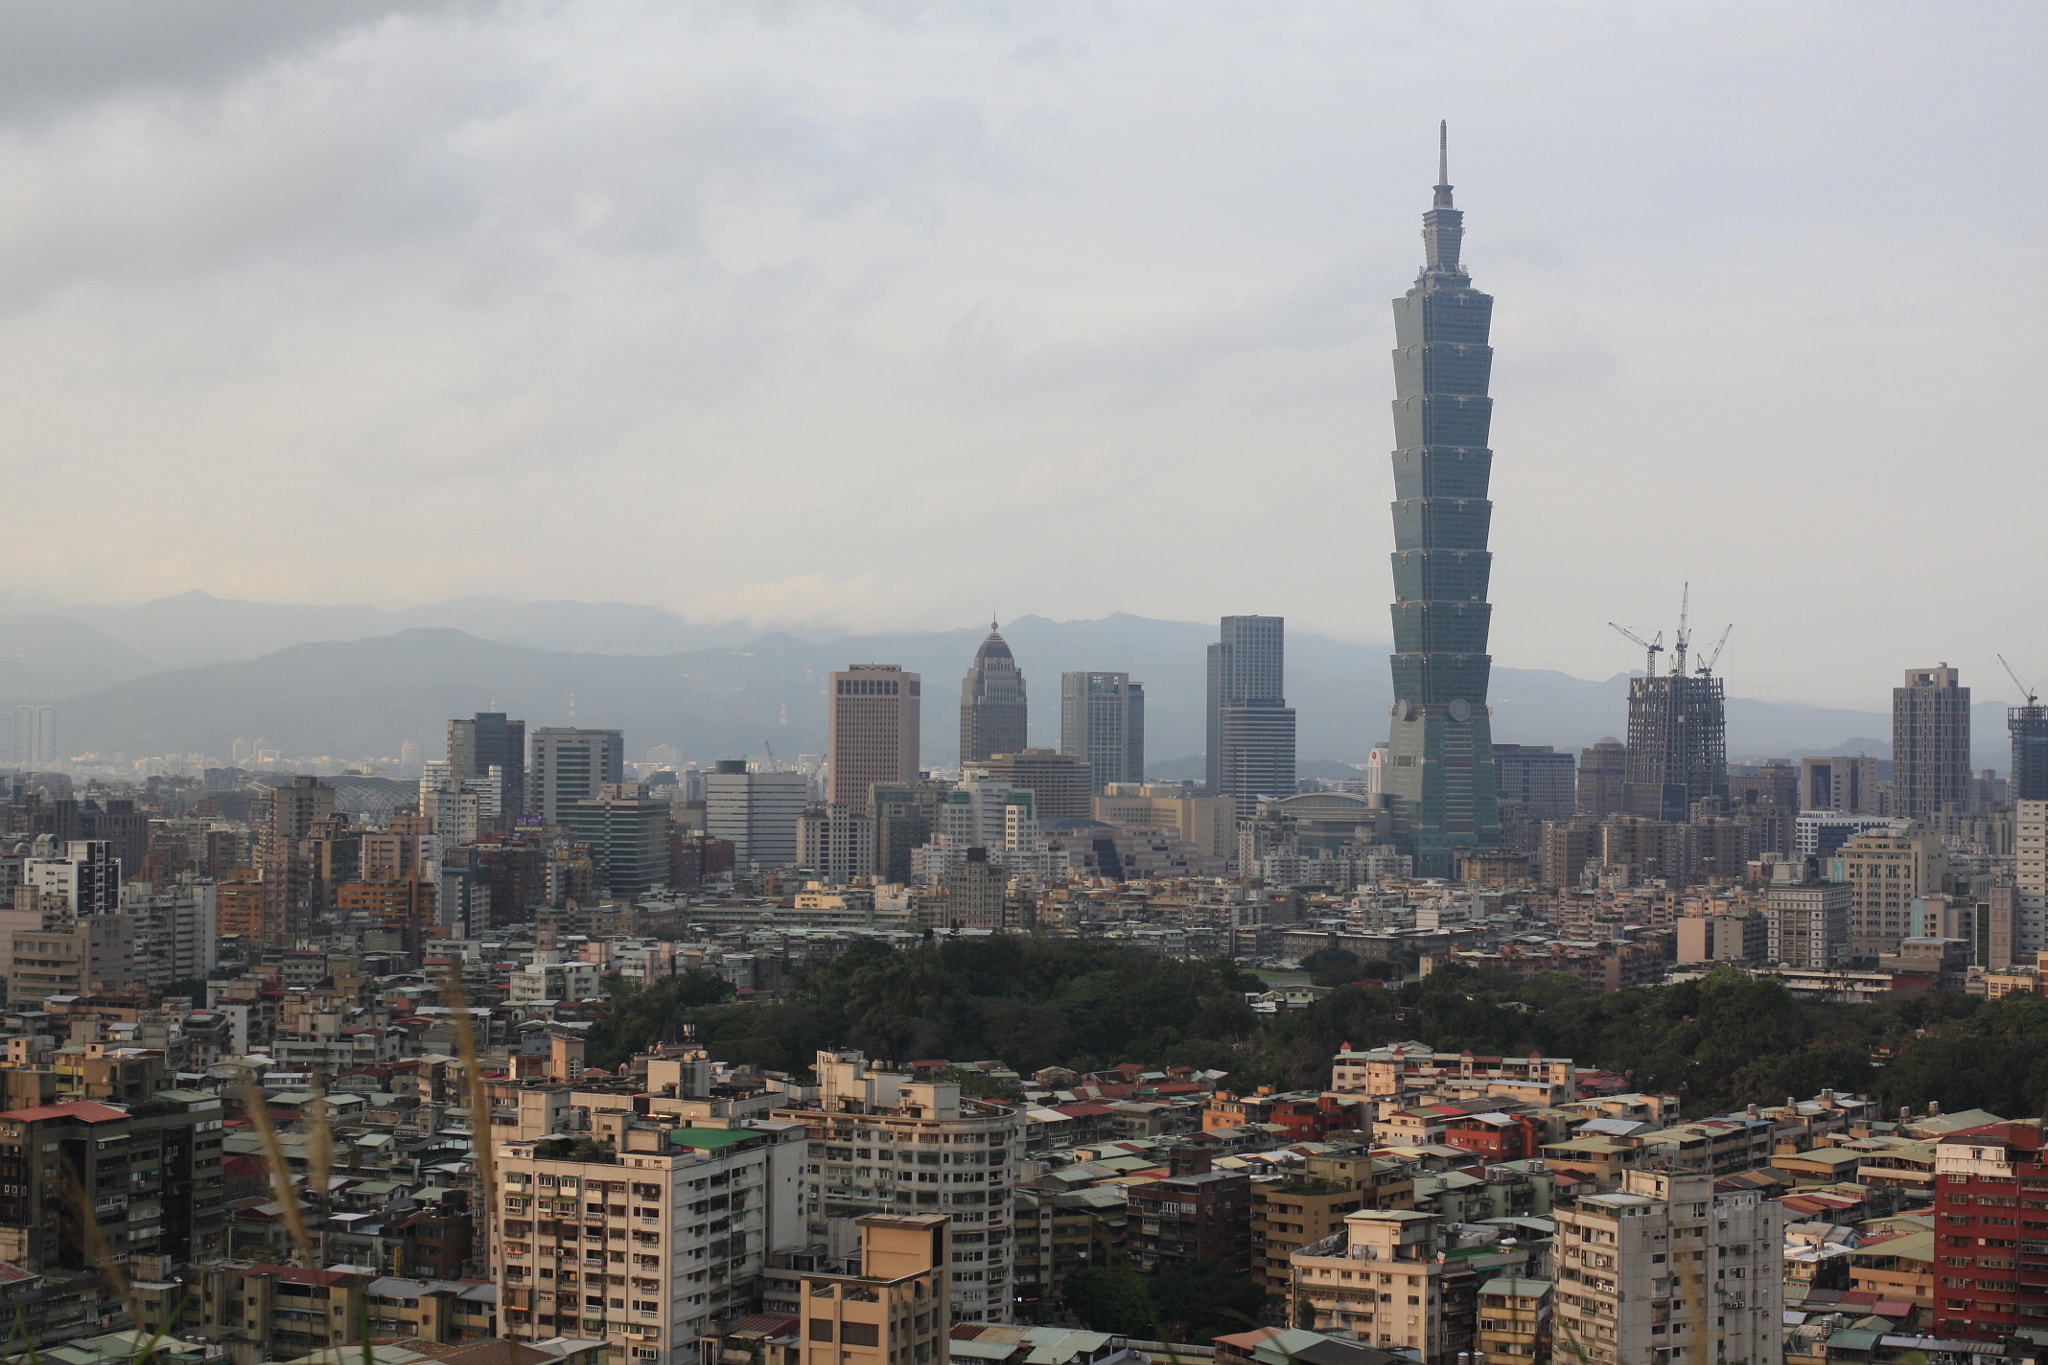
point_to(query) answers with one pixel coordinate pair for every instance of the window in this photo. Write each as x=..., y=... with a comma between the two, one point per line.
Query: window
x=821, y=1329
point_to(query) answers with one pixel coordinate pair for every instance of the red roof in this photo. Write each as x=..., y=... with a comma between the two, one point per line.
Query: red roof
x=768, y=1324
x=84, y=1110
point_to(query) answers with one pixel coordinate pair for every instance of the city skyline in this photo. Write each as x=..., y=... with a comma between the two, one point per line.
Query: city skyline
x=438, y=262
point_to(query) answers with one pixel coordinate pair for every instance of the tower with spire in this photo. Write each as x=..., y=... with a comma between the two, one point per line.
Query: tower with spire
x=1439, y=774
x=993, y=710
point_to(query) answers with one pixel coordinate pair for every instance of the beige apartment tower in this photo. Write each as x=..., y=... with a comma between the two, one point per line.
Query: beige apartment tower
x=1930, y=742
x=2030, y=857
x=872, y=731
x=1887, y=871
x=1665, y=1268
x=896, y=1310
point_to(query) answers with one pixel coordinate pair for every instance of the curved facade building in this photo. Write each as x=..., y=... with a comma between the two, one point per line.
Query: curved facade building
x=1439, y=775
x=992, y=706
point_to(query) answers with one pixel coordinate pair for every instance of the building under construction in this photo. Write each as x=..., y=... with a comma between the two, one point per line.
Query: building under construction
x=2028, y=726
x=1677, y=733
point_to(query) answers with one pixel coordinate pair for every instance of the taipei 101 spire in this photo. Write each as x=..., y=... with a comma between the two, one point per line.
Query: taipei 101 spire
x=1439, y=774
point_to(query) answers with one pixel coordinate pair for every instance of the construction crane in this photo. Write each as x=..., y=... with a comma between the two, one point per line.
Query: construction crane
x=1684, y=638
x=773, y=766
x=1709, y=656
x=1650, y=647
x=2033, y=697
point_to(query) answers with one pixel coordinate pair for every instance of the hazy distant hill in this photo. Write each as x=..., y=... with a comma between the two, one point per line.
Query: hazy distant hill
x=197, y=627
x=361, y=697
x=356, y=680
x=44, y=657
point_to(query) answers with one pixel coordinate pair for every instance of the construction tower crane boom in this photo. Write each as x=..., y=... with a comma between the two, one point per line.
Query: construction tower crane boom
x=1652, y=648
x=1712, y=654
x=1684, y=637
x=2033, y=697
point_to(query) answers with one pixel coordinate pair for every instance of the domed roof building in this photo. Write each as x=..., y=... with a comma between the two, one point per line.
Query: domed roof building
x=993, y=710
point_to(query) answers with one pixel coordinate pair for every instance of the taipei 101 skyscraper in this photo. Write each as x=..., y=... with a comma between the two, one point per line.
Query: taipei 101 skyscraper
x=1439, y=774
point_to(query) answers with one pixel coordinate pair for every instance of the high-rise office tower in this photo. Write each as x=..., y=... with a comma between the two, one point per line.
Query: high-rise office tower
x=1440, y=778
x=490, y=741
x=1930, y=742
x=1102, y=720
x=626, y=832
x=1538, y=778
x=572, y=765
x=873, y=728
x=757, y=813
x=35, y=736
x=992, y=706
x=1251, y=727
x=2028, y=726
x=1602, y=770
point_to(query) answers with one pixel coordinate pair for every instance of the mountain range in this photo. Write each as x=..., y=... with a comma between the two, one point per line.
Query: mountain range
x=193, y=673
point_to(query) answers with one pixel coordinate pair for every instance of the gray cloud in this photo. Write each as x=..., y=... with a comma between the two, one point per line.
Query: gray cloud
x=877, y=314
x=58, y=56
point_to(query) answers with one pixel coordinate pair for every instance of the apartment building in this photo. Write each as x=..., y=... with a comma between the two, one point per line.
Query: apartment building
x=1886, y=873
x=1403, y=1067
x=1379, y=1281
x=896, y=1311
x=1057, y=1234
x=1305, y=1209
x=883, y=1142
x=647, y=1241
x=1195, y=1214
x=1514, y=1320
x=1992, y=1277
x=91, y=956
x=1664, y=1268
x=1807, y=924
x=2030, y=858
x=153, y=1182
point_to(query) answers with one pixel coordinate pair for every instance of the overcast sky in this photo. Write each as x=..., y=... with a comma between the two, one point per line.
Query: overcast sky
x=892, y=315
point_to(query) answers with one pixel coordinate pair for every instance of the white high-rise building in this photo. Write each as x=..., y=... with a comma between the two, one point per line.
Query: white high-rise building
x=758, y=813
x=649, y=1243
x=883, y=1142
x=980, y=812
x=87, y=876
x=1666, y=1269
x=2030, y=849
x=836, y=845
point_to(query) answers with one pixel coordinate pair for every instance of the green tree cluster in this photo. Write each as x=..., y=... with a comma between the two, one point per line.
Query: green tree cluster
x=1032, y=1002
x=1192, y=1301
x=639, y=1018
x=1719, y=1042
